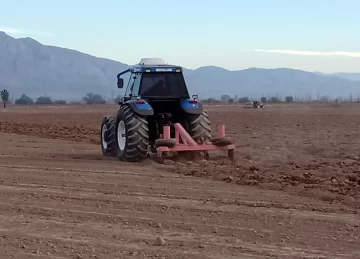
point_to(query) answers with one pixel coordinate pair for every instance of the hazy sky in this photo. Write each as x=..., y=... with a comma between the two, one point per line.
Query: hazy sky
x=318, y=35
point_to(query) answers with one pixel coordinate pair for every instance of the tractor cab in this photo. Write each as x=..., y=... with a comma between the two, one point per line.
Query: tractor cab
x=154, y=79
x=159, y=85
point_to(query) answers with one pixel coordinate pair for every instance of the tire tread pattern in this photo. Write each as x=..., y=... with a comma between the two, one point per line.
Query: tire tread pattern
x=111, y=141
x=111, y=135
x=199, y=127
x=137, y=136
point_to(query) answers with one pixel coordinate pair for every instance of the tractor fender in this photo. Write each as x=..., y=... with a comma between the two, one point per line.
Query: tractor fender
x=191, y=108
x=140, y=107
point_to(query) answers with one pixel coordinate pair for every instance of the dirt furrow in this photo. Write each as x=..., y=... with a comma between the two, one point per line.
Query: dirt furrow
x=144, y=237
x=260, y=226
x=292, y=192
x=63, y=243
x=124, y=181
x=178, y=203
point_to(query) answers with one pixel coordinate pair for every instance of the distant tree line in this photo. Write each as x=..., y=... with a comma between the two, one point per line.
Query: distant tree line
x=26, y=100
x=92, y=98
x=228, y=99
x=245, y=99
x=89, y=98
x=277, y=98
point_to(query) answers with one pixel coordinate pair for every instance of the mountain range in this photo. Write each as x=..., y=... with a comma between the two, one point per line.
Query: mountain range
x=31, y=68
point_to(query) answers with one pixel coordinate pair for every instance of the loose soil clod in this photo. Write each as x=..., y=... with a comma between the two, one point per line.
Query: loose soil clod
x=160, y=241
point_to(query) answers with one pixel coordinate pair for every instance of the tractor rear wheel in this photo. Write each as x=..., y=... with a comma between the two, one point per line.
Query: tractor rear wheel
x=199, y=127
x=131, y=135
x=107, y=132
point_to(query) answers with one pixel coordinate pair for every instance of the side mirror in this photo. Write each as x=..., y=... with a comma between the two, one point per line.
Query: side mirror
x=120, y=82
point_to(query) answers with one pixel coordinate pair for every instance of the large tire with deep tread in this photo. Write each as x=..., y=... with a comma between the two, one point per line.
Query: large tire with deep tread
x=108, y=125
x=199, y=127
x=136, y=141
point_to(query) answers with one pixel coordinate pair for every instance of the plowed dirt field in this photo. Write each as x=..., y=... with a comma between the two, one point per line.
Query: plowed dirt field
x=294, y=191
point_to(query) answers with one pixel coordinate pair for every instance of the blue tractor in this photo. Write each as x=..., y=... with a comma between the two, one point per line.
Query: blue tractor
x=156, y=96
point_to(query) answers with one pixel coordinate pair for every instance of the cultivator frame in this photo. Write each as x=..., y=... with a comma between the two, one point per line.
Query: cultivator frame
x=184, y=142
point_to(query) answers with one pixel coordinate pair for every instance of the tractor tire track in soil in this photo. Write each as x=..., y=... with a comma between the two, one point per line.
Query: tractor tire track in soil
x=293, y=192
x=305, y=150
x=102, y=208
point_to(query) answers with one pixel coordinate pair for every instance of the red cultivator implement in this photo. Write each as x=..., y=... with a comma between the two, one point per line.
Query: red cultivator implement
x=184, y=142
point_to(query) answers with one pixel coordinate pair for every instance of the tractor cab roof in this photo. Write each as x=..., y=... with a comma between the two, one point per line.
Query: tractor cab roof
x=151, y=65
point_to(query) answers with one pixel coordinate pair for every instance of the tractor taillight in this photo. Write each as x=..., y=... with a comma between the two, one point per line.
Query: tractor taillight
x=193, y=101
x=140, y=102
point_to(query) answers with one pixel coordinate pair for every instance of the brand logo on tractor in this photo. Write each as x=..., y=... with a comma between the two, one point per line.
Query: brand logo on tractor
x=163, y=69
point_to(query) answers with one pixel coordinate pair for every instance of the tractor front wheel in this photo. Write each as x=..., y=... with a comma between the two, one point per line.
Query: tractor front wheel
x=132, y=135
x=107, y=134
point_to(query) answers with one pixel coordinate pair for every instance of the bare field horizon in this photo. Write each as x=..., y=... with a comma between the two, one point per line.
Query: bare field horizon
x=293, y=191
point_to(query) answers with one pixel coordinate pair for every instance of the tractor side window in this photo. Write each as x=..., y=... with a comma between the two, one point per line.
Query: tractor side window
x=136, y=85
x=130, y=85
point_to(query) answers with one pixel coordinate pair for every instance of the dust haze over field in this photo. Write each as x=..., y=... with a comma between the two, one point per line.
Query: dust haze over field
x=293, y=191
